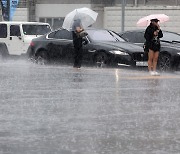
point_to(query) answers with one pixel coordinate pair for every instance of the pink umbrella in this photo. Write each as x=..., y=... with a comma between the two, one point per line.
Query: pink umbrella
x=145, y=21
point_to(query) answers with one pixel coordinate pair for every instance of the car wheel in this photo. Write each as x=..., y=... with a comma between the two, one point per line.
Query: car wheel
x=41, y=58
x=100, y=59
x=164, y=62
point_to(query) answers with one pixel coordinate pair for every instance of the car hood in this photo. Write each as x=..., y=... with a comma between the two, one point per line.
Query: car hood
x=123, y=46
x=170, y=46
x=28, y=38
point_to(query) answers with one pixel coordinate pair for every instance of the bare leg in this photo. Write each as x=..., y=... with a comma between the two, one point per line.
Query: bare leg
x=150, y=59
x=155, y=59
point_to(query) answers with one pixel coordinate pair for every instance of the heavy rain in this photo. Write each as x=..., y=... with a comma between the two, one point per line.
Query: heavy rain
x=99, y=107
x=59, y=109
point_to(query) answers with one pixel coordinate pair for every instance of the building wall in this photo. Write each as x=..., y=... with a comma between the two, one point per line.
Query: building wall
x=150, y=2
x=21, y=14
x=56, y=10
x=63, y=1
x=61, y=8
x=109, y=11
x=112, y=2
x=112, y=17
x=54, y=14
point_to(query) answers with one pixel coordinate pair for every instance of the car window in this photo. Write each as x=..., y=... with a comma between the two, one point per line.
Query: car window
x=128, y=36
x=15, y=30
x=103, y=35
x=63, y=34
x=168, y=36
x=139, y=37
x=3, y=30
x=134, y=37
x=51, y=35
x=119, y=38
x=35, y=29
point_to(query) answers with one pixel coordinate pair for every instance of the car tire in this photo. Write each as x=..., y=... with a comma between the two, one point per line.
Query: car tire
x=164, y=62
x=41, y=58
x=100, y=60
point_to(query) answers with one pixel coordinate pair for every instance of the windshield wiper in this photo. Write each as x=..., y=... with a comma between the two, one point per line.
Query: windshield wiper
x=175, y=41
x=113, y=36
x=166, y=41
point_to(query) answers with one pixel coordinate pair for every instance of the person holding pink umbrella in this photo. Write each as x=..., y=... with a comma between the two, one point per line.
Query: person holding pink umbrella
x=152, y=45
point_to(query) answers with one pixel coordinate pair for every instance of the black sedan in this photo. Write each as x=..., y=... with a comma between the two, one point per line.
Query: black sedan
x=101, y=47
x=169, y=58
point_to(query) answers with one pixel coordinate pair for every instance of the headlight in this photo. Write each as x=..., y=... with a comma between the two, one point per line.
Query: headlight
x=178, y=53
x=117, y=52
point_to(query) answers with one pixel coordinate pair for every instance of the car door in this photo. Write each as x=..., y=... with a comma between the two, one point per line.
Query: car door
x=62, y=45
x=88, y=51
x=15, y=42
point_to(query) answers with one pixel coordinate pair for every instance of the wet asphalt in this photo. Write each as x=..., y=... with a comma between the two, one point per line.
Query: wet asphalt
x=56, y=109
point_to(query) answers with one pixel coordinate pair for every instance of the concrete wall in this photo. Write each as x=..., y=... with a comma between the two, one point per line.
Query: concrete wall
x=56, y=10
x=112, y=17
x=63, y=1
x=100, y=18
x=150, y=2
x=21, y=14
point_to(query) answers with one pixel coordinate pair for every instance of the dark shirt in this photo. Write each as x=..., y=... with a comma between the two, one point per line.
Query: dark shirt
x=152, y=42
x=77, y=41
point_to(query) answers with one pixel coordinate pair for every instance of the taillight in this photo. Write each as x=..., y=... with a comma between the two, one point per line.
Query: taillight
x=32, y=44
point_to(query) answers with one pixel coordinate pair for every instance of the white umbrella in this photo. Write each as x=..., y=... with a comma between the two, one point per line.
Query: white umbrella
x=86, y=16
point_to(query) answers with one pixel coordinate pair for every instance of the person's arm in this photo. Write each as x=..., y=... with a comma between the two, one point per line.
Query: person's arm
x=148, y=34
x=160, y=34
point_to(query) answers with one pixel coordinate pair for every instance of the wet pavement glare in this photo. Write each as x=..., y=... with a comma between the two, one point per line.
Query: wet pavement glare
x=57, y=109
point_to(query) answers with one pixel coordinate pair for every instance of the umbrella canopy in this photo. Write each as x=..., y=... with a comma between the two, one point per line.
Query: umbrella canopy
x=145, y=21
x=85, y=15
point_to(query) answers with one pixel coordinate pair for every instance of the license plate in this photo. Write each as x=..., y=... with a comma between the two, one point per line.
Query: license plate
x=141, y=63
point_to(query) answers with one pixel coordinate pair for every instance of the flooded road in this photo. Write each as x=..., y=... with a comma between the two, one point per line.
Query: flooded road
x=62, y=110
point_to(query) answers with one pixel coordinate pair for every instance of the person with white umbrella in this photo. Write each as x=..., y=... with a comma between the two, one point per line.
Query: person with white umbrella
x=152, y=45
x=77, y=41
x=76, y=21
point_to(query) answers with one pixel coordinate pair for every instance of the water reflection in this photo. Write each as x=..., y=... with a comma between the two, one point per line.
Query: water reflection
x=77, y=76
x=55, y=109
x=117, y=71
x=154, y=87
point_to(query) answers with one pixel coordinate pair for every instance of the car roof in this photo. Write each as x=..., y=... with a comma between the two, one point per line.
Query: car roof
x=143, y=30
x=23, y=22
x=136, y=30
x=89, y=28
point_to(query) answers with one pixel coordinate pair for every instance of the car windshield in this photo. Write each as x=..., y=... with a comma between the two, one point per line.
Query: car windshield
x=104, y=35
x=170, y=37
x=36, y=29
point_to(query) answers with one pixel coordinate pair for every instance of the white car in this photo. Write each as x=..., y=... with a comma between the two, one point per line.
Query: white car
x=17, y=36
